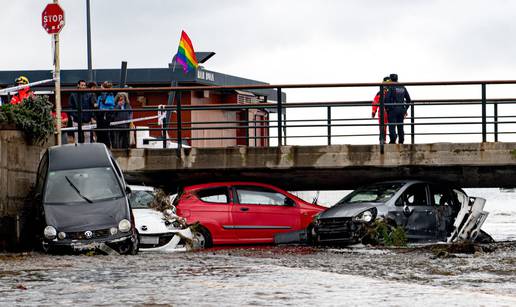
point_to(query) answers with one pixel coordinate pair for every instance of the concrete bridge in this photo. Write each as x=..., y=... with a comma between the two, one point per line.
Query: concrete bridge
x=325, y=167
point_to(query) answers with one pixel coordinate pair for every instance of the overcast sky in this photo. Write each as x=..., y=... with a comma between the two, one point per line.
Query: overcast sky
x=280, y=41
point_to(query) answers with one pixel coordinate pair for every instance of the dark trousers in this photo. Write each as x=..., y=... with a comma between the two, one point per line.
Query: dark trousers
x=103, y=122
x=121, y=138
x=396, y=118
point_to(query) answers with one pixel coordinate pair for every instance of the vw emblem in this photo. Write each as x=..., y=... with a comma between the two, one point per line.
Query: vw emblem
x=88, y=234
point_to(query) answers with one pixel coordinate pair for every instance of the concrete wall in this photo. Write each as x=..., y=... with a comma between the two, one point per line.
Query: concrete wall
x=18, y=166
x=337, y=167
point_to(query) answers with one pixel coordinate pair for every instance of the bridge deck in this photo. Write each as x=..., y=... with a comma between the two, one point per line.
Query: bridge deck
x=325, y=167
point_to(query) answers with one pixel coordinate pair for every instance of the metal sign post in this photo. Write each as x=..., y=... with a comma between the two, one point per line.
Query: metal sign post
x=52, y=20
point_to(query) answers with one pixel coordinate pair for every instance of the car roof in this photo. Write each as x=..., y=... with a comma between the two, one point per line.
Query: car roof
x=228, y=183
x=76, y=156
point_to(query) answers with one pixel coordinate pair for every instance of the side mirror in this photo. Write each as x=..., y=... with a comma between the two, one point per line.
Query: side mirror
x=289, y=202
x=128, y=190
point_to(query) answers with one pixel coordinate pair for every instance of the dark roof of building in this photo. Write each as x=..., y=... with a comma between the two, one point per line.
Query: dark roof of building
x=137, y=77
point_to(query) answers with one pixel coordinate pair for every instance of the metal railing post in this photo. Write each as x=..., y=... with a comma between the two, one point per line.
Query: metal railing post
x=382, y=119
x=484, y=129
x=412, y=126
x=80, y=135
x=280, y=115
x=179, y=124
x=328, y=120
x=164, y=131
x=496, y=122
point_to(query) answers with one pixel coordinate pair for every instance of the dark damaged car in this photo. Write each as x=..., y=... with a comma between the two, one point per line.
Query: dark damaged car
x=426, y=211
x=82, y=200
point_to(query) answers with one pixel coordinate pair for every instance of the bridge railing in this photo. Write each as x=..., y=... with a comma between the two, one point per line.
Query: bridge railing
x=475, y=118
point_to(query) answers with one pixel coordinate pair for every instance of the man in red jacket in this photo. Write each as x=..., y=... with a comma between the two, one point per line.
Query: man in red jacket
x=376, y=105
x=23, y=93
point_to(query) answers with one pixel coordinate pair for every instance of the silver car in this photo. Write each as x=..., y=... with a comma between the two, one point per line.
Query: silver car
x=427, y=212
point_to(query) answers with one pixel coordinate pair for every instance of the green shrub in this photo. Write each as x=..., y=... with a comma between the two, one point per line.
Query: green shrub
x=33, y=116
x=381, y=232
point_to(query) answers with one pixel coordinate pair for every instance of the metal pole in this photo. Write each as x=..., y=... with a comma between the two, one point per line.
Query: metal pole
x=484, y=130
x=179, y=124
x=123, y=74
x=382, y=125
x=328, y=120
x=88, y=35
x=280, y=111
x=57, y=76
x=496, y=122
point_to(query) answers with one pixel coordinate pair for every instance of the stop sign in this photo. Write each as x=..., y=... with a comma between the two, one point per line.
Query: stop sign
x=52, y=18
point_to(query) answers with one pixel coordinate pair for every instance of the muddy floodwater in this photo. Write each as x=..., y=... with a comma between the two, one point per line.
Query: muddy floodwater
x=421, y=275
x=264, y=276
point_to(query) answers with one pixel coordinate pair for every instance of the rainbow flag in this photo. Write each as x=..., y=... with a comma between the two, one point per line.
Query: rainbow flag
x=185, y=53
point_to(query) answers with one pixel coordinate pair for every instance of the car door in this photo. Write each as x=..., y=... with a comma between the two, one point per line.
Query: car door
x=446, y=204
x=419, y=215
x=259, y=213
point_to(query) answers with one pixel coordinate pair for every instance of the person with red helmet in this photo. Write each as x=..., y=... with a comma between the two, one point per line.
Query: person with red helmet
x=23, y=93
x=376, y=105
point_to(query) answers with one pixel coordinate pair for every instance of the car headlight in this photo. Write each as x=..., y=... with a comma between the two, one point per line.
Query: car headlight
x=366, y=216
x=124, y=225
x=50, y=232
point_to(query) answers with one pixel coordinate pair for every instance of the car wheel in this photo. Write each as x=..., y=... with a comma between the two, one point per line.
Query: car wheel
x=202, y=238
x=311, y=235
x=131, y=247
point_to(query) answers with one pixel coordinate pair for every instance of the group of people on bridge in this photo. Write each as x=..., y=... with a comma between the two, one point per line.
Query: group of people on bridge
x=99, y=110
x=95, y=110
x=396, y=101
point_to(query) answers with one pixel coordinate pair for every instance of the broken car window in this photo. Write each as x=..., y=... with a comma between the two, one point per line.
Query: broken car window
x=373, y=193
x=141, y=199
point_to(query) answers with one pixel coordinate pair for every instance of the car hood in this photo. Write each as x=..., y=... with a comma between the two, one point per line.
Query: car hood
x=346, y=210
x=150, y=221
x=74, y=217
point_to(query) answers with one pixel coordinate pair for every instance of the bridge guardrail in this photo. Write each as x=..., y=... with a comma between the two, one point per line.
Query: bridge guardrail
x=325, y=119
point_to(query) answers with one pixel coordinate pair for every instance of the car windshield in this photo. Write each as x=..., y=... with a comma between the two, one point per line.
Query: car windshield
x=82, y=185
x=141, y=199
x=380, y=192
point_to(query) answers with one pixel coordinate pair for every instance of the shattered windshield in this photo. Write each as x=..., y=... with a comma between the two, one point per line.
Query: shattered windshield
x=141, y=199
x=381, y=192
x=82, y=185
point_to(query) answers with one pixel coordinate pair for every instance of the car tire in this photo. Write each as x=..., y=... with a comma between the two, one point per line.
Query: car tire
x=202, y=238
x=311, y=235
x=131, y=247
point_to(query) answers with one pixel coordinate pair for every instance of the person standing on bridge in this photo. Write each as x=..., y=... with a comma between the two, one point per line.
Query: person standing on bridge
x=376, y=105
x=397, y=102
x=121, y=137
x=22, y=93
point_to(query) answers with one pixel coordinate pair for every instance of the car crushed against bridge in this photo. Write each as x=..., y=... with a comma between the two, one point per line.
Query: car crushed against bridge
x=85, y=204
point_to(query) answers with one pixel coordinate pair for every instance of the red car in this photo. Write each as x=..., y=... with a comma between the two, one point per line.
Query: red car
x=242, y=212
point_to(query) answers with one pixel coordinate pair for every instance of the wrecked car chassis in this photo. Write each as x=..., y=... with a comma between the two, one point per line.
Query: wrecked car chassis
x=422, y=211
x=339, y=231
x=116, y=245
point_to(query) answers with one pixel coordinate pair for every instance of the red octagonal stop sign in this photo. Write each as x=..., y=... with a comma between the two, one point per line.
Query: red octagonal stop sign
x=52, y=18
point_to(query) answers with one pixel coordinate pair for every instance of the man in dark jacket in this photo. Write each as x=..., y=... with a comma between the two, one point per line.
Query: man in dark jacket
x=397, y=103
x=86, y=101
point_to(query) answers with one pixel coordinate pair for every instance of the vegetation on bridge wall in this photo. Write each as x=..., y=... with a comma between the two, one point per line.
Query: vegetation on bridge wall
x=33, y=116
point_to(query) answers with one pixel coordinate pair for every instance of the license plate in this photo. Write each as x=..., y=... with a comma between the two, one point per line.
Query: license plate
x=149, y=240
